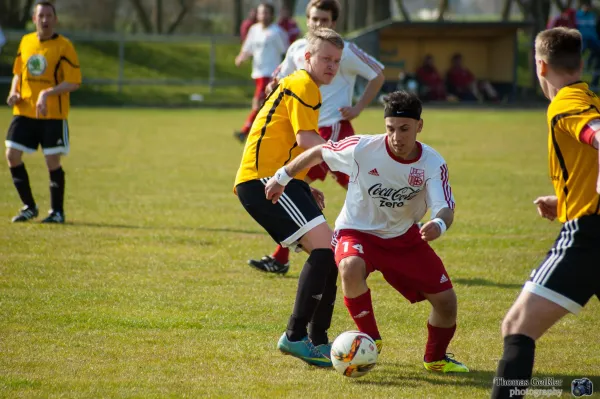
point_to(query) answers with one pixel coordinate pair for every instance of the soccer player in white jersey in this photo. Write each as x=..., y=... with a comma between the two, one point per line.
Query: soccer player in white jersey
x=266, y=43
x=394, y=179
x=337, y=110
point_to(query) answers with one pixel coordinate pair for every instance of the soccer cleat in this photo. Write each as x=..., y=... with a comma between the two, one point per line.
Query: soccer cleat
x=325, y=350
x=26, y=213
x=54, y=217
x=241, y=136
x=268, y=264
x=379, y=345
x=446, y=365
x=303, y=350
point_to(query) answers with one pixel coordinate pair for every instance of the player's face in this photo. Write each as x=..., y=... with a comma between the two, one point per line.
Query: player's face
x=402, y=135
x=44, y=19
x=324, y=63
x=319, y=19
x=264, y=15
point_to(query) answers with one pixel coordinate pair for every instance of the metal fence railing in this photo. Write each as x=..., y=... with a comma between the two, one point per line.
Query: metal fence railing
x=124, y=60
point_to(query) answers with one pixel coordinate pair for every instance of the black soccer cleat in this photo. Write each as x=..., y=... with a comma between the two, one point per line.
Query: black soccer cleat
x=54, y=217
x=268, y=264
x=26, y=213
x=241, y=136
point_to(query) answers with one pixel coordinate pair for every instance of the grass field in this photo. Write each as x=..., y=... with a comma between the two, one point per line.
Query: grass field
x=145, y=292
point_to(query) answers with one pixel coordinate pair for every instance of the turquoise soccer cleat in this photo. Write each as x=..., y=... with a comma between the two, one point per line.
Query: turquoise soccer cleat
x=303, y=350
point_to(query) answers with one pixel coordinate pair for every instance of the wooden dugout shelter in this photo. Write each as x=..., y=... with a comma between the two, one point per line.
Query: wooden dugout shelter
x=489, y=49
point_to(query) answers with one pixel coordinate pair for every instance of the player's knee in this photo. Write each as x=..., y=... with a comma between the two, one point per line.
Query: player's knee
x=13, y=157
x=352, y=270
x=53, y=162
x=446, y=304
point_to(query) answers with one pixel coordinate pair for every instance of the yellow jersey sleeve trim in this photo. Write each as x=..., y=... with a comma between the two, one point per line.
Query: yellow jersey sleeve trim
x=291, y=93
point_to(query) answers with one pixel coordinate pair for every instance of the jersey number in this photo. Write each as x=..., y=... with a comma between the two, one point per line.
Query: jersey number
x=358, y=247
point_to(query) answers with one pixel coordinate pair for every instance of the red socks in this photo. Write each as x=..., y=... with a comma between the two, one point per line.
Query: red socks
x=438, y=340
x=281, y=255
x=361, y=310
x=249, y=121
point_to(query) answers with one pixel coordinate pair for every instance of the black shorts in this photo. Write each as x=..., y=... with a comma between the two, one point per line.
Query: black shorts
x=26, y=134
x=295, y=214
x=570, y=274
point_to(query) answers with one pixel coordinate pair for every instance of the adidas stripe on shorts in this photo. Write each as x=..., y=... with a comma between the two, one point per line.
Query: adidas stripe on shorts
x=570, y=274
x=295, y=214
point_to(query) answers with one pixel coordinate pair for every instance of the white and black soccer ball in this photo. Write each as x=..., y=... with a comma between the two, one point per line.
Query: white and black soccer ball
x=353, y=354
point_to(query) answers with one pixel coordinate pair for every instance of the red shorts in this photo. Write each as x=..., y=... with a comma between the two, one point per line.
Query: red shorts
x=407, y=262
x=337, y=132
x=261, y=85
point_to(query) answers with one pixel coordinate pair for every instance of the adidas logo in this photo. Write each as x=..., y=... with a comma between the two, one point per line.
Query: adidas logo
x=374, y=172
x=318, y=297
x=59, y=142
x=443, y=279
x=361, y=314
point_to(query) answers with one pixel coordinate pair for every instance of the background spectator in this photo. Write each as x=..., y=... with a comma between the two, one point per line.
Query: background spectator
x=566, y=18
x=462, y=83
x=432, y=87
x=287, y=23
x=247, y=23
x=2, y=39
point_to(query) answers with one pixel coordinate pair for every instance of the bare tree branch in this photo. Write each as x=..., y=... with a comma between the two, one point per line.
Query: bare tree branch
x=142, y=15
x=403, y=10
x=506, y=9
x=443, y=7
x=182, y=13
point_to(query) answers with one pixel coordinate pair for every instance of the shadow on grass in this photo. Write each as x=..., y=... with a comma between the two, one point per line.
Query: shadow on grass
x=484, y=283
x=180, y=228
x=403, y=374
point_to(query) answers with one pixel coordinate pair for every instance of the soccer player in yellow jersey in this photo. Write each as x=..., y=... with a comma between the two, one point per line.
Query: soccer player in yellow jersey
x=286, y=125
x=46, y=70
x=570, y=274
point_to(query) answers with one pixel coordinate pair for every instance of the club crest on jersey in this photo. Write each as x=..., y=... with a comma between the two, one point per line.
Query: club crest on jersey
x=37, y=64
x=416, y=177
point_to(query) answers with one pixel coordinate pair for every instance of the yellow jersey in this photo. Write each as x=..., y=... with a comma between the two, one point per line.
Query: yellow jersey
x=291, y=107
x=573, y=119
x=43, y=64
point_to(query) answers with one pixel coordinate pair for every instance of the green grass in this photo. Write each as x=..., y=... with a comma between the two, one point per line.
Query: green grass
x=158, y=61
x=145, y=292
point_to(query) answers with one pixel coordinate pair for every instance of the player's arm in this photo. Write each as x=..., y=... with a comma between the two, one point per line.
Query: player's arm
x=246, y=50
x=14, y=96
x=441, y=202
x=72, y=79
x=366, y=66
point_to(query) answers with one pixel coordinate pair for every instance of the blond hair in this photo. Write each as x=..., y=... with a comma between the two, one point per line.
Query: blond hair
x=560, y=48
x=317, y=36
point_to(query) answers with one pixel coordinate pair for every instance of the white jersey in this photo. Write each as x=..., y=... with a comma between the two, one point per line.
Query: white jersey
x=386, y=196
x=266, y=45
x=338, y=93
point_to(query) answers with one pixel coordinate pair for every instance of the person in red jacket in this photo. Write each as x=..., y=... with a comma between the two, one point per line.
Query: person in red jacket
x=247, y=23
x=566, y=19
x=431, y=82
x=463, y=84
x=287, y=23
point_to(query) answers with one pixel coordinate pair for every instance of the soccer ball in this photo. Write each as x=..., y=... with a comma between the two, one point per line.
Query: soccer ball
x=353, y=354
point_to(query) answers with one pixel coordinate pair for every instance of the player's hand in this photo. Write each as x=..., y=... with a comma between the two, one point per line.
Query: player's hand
x=349, y=113
x=238, y=60
x=271, y=86
x=430, y=231
x=547, y=206
x=273, y=190
x=13, y=99
x=319, y=197
x=41, y=106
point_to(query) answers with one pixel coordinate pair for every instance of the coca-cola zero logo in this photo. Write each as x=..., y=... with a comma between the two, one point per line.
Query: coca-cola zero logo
x=392, y=197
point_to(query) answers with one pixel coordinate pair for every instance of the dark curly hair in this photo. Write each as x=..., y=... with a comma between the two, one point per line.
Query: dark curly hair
x=403, y=101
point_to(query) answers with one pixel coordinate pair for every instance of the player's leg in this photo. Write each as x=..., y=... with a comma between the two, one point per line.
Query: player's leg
x=257, y=99
x=21, y=137
x=296, y=220
x=351, y=252
x=55, y=143
x=564, y=282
